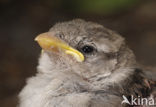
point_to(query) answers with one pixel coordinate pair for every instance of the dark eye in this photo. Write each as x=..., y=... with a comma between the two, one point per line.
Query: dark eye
x=87, y=49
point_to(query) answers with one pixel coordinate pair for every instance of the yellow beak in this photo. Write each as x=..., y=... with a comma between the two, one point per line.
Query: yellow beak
x=52, y=43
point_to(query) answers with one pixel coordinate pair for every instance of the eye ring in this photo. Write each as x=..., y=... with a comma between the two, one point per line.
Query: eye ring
x=87, y=49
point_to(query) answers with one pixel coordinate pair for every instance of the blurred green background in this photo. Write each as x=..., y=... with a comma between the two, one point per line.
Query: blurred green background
x=22, y=20
x=103, y=7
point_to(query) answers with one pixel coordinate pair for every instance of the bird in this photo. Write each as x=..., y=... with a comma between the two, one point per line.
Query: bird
x=84, y=64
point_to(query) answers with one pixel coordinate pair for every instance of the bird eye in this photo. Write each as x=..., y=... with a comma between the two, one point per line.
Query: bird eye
x=87, y=49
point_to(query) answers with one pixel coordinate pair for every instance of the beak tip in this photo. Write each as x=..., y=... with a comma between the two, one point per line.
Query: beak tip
x=36, y=39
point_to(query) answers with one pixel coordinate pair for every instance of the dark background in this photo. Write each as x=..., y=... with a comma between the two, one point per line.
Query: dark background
x=22, y=20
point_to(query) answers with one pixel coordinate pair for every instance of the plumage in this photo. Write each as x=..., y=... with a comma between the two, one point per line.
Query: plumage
x=108, y=72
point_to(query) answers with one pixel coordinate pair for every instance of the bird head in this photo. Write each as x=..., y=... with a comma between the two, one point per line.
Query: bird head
x=85, y=48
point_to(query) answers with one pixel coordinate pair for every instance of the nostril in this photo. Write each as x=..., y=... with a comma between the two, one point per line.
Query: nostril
x=60, y=35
